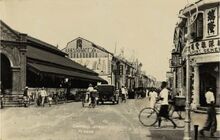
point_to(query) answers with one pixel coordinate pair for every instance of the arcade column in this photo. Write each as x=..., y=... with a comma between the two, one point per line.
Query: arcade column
x=16, y=86
x=196, y=85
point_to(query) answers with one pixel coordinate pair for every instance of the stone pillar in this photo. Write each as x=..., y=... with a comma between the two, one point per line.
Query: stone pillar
x=182, y=86
x=196, y=86
x=16, y=86
x=23, y=70
x=174, y=81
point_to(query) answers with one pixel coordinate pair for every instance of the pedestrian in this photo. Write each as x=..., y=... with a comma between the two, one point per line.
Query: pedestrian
x=123, y=94
x=93, y=97
x=26, y=97
x=89, y=90
x=43, y=94
x=163, y=112
x=211, y=121
x=50, y=100
x=37, y=97
x=152, y=97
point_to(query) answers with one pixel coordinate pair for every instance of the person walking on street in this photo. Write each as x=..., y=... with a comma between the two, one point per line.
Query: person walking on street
x=26, y=97
x=89, y=90
x=163, y=96
x=43, y=96
x=152, y=97
x=50, y=100
x=211, y=121
x=93, y=95
x=123, y=94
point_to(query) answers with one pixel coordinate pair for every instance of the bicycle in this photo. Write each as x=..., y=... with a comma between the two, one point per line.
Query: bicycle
x=149, y=116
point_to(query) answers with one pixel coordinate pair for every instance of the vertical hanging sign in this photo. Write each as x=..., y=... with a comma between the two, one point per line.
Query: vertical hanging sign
x=211, y=22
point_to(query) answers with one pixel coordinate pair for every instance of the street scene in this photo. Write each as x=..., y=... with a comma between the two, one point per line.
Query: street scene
x=119, y=69
x=70, y=121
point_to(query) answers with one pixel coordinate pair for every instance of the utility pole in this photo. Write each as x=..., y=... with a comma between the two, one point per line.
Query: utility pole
x=187, y=128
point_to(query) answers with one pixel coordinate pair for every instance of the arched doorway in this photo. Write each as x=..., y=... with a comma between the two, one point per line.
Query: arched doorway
x=6, y=73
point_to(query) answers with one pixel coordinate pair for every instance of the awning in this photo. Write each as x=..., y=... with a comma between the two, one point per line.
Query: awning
x=64, y=72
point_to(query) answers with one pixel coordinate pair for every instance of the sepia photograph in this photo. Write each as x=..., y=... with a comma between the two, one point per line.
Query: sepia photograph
x=110, y=69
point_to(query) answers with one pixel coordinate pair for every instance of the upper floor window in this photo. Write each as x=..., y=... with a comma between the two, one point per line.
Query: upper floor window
x=197, y=28
x=79, y=44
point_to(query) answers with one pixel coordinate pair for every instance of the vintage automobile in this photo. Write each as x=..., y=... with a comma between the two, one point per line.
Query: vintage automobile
x=107, y=93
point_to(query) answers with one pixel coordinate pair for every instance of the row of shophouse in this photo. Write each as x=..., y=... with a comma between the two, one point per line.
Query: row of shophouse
x=115, y=69
x=28, y=61
x=201, y=38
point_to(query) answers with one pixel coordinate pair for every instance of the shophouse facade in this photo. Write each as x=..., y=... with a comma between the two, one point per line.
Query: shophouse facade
x=91, y=56
x=203, y=50
x=124, y=72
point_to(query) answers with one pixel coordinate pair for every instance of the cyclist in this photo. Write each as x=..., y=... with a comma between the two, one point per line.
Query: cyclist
x=163, y=112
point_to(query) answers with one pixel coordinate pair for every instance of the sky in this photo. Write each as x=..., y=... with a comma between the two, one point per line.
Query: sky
x=142, y=28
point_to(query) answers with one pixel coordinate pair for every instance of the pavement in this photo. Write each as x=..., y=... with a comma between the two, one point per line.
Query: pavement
x=70, y=121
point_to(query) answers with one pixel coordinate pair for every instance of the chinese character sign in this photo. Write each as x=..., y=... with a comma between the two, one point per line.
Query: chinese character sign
x=211, y=22
x=205, y=47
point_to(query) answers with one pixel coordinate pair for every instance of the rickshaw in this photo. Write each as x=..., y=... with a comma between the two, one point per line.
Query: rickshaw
x=89, y=99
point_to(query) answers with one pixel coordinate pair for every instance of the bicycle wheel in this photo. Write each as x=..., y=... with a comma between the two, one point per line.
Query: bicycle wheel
x=148, y=116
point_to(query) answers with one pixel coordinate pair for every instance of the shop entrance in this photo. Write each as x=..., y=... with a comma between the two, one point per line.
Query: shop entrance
x=208, y=79
x=6, y=74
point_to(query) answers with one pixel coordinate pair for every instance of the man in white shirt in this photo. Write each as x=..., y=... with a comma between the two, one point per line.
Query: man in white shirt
x=163, y=96
x=123, y=94
x=152, y=97
x=89, y=90
x=43, y=95
x=209, y=95
x=211, y=121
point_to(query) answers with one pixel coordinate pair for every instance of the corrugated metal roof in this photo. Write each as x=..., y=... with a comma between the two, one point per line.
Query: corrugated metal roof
x=49, y=57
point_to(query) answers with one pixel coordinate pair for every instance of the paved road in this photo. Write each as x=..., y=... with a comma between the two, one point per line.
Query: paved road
x=72, y=122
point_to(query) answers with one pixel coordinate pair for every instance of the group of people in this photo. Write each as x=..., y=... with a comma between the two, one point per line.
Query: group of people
x=163, y=97
x=39, y=97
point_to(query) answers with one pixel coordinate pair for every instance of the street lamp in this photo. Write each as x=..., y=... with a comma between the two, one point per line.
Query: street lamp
x=187, y=132
x=187, y=129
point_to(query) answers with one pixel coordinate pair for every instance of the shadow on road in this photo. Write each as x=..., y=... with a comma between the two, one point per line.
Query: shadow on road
x=170, y=134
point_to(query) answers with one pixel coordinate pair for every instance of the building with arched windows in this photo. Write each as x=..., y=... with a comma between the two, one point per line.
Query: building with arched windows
x=27, y=61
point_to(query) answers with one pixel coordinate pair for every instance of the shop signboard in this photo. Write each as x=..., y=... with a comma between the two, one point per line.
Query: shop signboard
x=205, y=47
x=211, y=22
